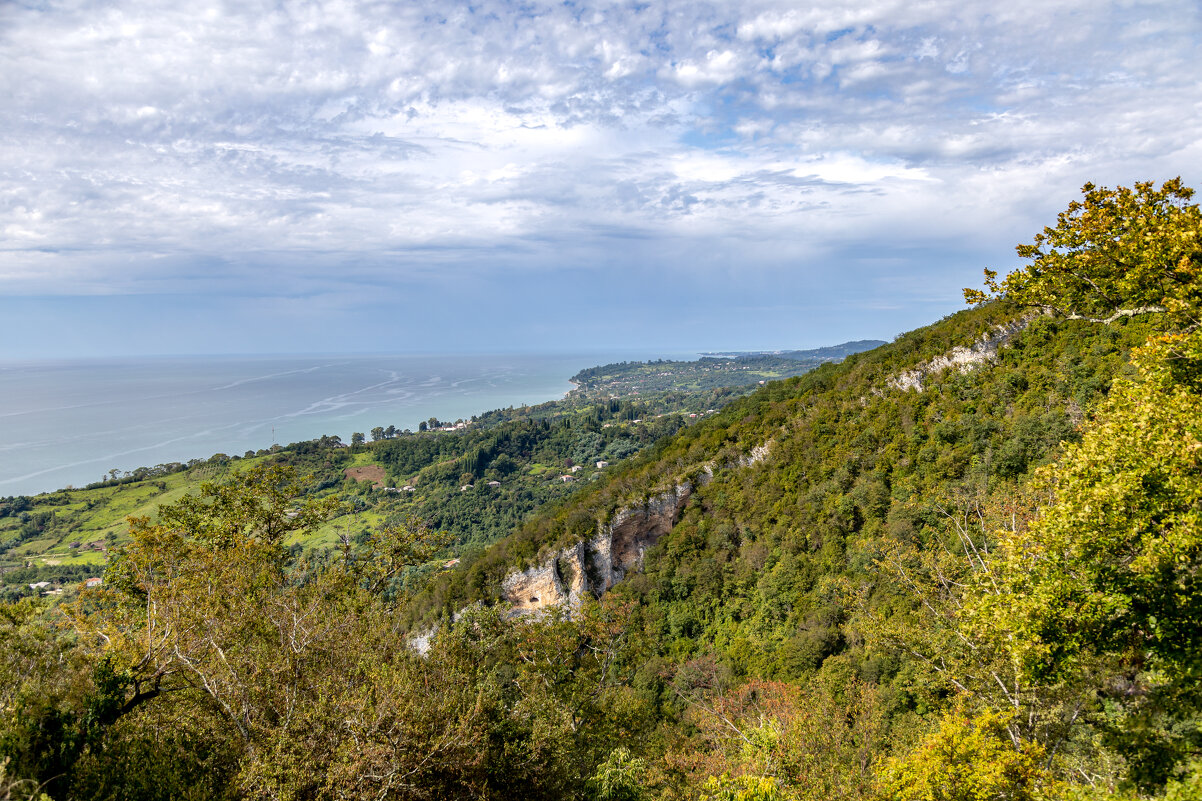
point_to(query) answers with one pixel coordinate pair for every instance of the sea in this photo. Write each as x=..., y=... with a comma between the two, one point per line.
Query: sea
x=69, y=423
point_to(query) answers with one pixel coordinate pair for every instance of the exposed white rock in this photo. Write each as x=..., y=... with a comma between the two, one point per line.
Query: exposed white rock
x=420, y=642
x=961, y=358
x=591, y=567
x=597, y=564
x=758, y=454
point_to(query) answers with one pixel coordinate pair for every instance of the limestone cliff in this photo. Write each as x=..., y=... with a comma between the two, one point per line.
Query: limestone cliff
x=962, y=358
x=592, y=567
x=596, y=565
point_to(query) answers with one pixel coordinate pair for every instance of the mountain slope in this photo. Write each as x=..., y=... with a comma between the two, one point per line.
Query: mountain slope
x=789, y=492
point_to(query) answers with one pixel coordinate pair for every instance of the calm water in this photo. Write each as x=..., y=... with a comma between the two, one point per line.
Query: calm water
x=67, y=423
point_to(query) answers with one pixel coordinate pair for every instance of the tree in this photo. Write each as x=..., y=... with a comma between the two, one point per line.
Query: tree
x=944, y=578
x=357, y=439
x=298, y=661
x=1107, y=580
x=620, y=777
x=1117, y=253
x=377, y=433
x=810, y=743
x=745, y=788
x=966, y=759
x=41, y=678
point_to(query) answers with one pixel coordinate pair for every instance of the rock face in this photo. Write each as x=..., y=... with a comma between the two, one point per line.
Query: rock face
x=556, y=581
x=962, y=358
x=596, y=565
x=758, y=454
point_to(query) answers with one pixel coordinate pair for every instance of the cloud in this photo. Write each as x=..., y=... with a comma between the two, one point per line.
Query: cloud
x=226, y=148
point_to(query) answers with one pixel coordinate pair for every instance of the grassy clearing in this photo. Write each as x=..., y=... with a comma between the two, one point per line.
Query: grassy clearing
x=33, y=548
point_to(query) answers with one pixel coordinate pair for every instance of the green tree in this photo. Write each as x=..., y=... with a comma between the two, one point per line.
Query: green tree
x=1116, y=253
x=43, y=680
x=619, y=778
x=745, y=788
x=296, y=661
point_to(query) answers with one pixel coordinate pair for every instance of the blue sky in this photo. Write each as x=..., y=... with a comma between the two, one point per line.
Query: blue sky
x=293, y=176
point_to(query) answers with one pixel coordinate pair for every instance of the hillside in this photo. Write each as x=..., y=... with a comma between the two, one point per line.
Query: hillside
x=848, y=459
x=721, y=374
x=963, y=565
x=476, y=482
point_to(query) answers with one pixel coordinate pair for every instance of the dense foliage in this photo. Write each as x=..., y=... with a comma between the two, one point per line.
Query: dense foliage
x=1117, y=252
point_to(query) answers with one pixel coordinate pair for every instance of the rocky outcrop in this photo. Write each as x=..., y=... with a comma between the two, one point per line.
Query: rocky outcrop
x=596, y=565
x=758, y=454
x=591, y=567
x=619, y=545
x=961, y=358
x=559, y=580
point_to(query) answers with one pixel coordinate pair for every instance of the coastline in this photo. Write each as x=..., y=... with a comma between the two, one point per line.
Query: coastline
x=70, y=424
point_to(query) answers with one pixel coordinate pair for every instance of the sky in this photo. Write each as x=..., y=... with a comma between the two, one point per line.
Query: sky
x=336, y=176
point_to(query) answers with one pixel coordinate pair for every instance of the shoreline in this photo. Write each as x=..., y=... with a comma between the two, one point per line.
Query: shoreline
x=78, y=424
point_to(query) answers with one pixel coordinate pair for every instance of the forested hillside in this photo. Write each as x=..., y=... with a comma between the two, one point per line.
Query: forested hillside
x=476, y=479
x=710, y=373
x=963, y=565
x=476, y=484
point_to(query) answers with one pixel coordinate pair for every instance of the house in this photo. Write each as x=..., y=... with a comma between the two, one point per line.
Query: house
x=41, y=585
x=465, y=488
x=566, y=479
x=577, y=468
x=95, y=581
x=494, y=483
x=602, y=465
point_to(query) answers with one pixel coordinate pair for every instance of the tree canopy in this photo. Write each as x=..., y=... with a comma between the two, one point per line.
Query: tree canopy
x=1116, y=253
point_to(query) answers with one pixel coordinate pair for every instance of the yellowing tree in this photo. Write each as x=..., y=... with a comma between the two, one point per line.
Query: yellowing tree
x=966, y=759
x=300, y=661
x=1107, y=580
x=1116, y=253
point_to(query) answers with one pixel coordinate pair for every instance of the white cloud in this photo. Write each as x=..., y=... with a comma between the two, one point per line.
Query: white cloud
x=141, y=143
x=717, y=67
